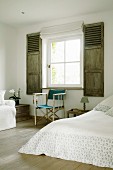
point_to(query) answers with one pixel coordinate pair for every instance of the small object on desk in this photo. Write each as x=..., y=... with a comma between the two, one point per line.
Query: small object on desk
x=84, y=100
x=76, y=112
x=15, y=96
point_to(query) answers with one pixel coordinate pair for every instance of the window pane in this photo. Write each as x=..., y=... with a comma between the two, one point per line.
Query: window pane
x=72, y=75
x=57, y=74
x=57, y=51
x=73, y=50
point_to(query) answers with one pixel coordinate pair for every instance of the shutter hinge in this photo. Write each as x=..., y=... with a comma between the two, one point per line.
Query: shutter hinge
x=48, y=65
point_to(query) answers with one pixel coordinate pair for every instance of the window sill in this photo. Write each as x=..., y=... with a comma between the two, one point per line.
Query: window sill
x=65, y=88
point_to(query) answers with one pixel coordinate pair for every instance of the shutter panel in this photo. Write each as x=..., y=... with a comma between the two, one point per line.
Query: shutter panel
x=94, y=59
x=34, y=63
x=33, y=42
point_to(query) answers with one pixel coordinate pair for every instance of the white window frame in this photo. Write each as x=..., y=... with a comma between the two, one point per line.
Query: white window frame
x=80, y=36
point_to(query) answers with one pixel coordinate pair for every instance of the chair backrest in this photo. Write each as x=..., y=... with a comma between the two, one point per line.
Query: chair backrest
x=54, y=91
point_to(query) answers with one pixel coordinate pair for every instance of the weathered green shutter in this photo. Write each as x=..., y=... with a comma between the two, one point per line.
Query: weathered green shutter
x=94, y=59
x=34, y=63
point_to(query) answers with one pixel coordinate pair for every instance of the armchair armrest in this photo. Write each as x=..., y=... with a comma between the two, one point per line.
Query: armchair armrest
x=35, y=97
x=10, y=103
x=38, y=94
x=58, y=94
x=59, y=97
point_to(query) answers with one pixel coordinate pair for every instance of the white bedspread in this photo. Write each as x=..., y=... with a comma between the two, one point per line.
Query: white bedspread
x=87, y=138
x=7, y=117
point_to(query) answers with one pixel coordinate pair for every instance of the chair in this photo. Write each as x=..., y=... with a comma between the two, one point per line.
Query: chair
x=57, y=98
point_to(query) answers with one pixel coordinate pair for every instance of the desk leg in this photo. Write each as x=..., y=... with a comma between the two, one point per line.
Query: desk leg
x=67, y=115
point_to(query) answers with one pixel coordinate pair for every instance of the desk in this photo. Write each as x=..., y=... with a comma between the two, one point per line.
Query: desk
x=22, y=112
x=76, y=112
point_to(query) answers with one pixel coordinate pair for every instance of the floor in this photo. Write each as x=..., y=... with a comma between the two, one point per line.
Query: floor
x=10, y=142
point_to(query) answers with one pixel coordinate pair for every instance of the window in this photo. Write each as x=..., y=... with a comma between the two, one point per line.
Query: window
x=65, y=62
x=62, y=55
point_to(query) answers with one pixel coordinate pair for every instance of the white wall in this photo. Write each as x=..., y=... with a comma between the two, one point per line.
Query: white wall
x=8, y=58
x=73, y=96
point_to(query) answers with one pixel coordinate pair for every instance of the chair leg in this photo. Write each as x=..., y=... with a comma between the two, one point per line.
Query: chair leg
x=35, y=117
x=53, y=117
x=53, y=114
x=47, y=114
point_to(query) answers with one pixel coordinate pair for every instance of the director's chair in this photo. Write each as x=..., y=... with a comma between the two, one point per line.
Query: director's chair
x=57, y=103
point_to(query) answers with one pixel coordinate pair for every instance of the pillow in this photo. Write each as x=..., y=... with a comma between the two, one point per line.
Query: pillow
x=110, y=112
x=2, y=93
x=105, y=105
x=102, y=108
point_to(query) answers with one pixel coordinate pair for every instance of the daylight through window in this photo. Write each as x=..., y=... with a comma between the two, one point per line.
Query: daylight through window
x=64, y=62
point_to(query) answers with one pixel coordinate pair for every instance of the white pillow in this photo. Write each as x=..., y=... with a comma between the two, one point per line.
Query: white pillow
x=2, y=93
x=105, y=105
x=110, y=112
x=102, y=108
x=10, y=103
x=108, y=101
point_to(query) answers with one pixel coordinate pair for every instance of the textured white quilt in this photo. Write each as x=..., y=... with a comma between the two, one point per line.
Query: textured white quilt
x=7, y=117
x=87, y=138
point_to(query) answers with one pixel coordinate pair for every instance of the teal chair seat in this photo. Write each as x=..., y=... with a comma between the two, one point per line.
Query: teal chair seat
x=44, y=107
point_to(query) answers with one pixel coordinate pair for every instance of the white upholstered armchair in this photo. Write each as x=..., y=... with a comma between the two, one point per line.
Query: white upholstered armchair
x=7, y=115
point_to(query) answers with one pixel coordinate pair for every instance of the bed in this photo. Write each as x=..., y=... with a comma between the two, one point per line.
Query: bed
x=7, y=115
x=87, y=138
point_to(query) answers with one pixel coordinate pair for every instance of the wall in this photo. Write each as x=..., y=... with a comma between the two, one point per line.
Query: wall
x=8, y=58
x=73, y=96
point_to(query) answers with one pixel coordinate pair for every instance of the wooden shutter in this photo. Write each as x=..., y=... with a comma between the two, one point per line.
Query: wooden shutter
x=34, y=63
x=94, y=59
